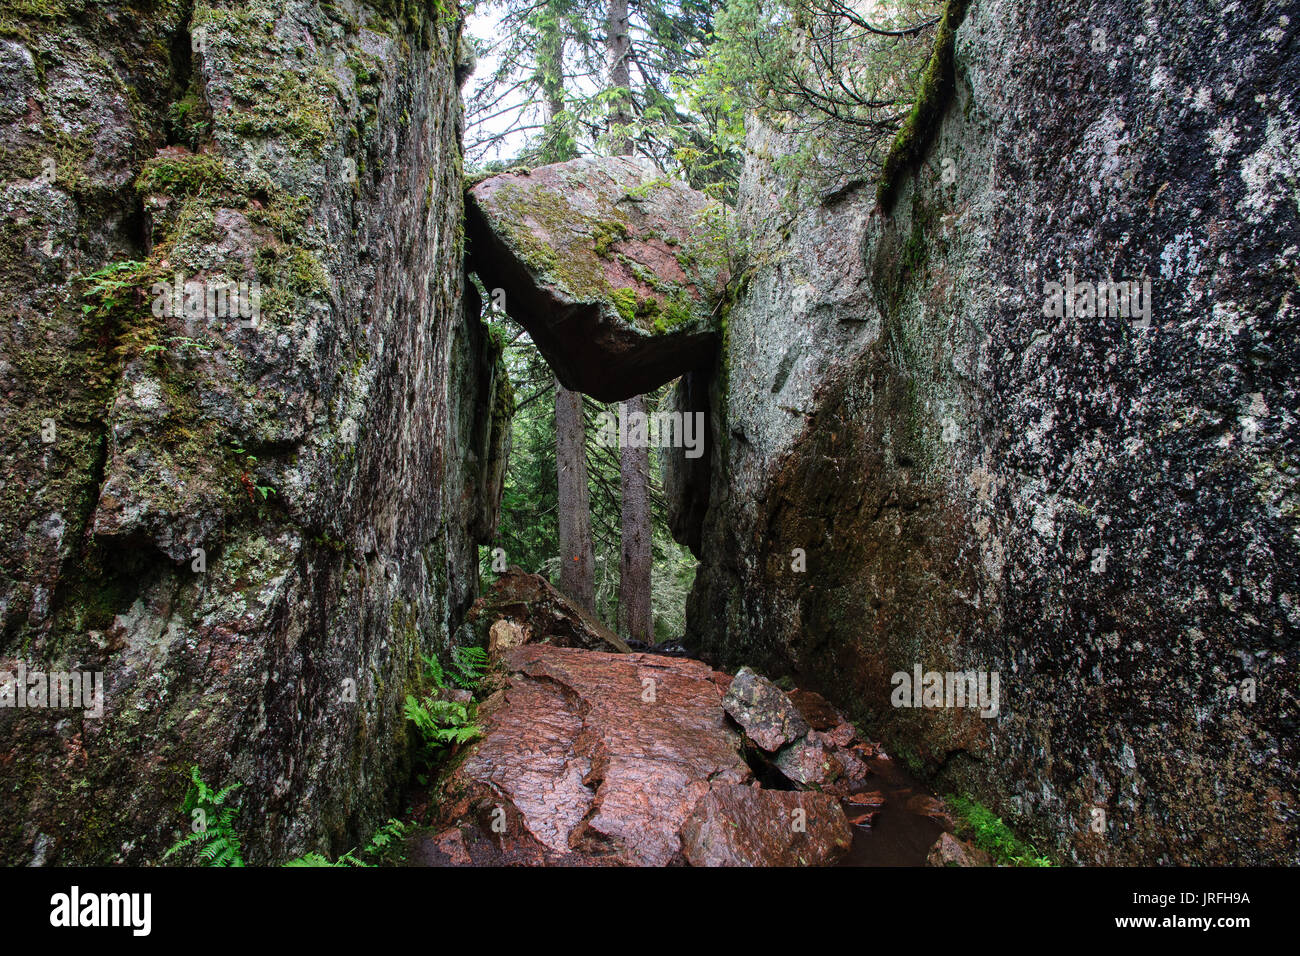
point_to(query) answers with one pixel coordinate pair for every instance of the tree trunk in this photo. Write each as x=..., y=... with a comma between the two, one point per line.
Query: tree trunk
x=620, y=76
x=577, y=553
x=577, y=556
x=634, y=617
x=557, y=145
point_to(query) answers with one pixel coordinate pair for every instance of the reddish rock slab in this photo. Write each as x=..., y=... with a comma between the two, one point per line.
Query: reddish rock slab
x=747, y=826
x=869, y=799
x=855, y=769
x=600, y=754
x=924, y=805
x=475, y=843
x=816, y=709
x=615, y=269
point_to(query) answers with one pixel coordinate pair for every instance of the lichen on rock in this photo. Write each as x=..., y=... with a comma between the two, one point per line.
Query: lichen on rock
x=607, y=263
x=253, y=525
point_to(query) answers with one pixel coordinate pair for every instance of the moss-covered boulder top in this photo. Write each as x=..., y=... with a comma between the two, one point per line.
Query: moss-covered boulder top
x=615, y=268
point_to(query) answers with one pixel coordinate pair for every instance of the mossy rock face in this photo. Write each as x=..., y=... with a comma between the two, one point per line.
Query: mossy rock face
x=928, y=466
x=615, y=269
x=219, y=516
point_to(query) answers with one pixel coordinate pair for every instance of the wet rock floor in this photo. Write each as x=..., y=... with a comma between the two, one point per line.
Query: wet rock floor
x=594, y=755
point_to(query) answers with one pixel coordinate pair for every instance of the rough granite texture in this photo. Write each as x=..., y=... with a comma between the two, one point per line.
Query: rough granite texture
x=615, y=269
x=335, y=463
x=1104, y=514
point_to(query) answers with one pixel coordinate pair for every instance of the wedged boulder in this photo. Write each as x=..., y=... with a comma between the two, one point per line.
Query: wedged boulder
x=768, y=716
x=521, y=608
x=810, y=761
x=747, y=826
x=615, y=269
x=601, y=754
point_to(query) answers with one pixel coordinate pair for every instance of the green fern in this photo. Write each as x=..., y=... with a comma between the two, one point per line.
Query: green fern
x=470, y=665
x=441, y=723
x=992, y=835
x=217, y=842
x=433, y=667
x=390, y=833
x=387, y=835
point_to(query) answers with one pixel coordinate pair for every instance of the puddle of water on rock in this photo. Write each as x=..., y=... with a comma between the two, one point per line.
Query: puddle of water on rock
x=896, y=835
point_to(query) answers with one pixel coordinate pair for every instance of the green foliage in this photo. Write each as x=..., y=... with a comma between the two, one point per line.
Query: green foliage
x=382, y=847
x=179, y=343
x=214, y=835
x=672, y=574
x=837, y=83
x=189, y=119
x=527, y=531
x=469, y=665
x=978, y=823
x=545, y=50
x=112, y=289
x=441, y=723
x=922, y=123
x=433, y=670
x=115, y=312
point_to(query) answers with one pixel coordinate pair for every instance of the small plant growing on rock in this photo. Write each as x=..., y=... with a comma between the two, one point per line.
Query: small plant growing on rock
x=470, y=666
x=212, y=823
x=385, y=840
x=442, y=722
x=980, y=824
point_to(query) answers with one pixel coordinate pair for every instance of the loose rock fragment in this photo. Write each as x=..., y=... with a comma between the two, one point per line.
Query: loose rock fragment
x=768, y=717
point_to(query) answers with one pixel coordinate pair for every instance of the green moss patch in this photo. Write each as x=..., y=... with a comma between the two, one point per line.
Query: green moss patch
x=569, y=249
x=183, y=174
x=922, y=124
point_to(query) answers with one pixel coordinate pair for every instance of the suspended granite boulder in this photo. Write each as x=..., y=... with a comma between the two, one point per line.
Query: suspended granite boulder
x=615, y=269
